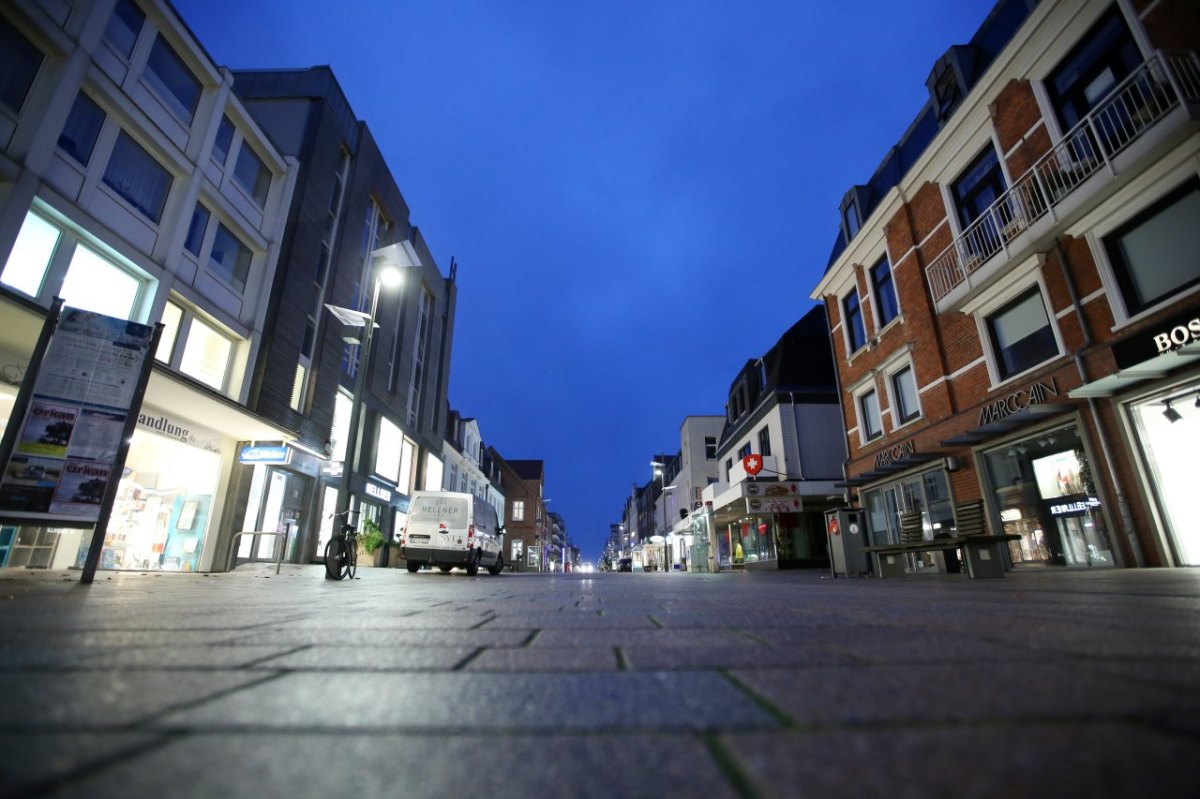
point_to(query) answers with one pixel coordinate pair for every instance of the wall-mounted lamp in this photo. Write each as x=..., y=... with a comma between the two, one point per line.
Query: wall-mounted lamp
x=1198, y=399
x=953, y=464
x=1171, y=414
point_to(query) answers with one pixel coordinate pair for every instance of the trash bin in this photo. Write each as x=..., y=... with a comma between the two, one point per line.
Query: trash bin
x=983, y=561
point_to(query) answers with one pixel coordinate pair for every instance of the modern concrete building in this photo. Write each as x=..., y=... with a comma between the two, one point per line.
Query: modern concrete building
x=1013, y=294
x=134, y=183
x=348, y=225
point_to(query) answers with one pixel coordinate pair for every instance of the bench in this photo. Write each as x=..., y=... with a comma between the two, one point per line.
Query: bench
x=971, y=536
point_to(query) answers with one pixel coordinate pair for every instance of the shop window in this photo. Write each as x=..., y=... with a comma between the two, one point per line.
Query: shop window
x=1104, y=57
x=886, y=307
x=196, y=229
x=220, y=150
x=1021, y=335
x=95, y=283
x=855, y=329
x=30, y=256
x=137, y=177
x=172, y=81
x=206, y=354
x=408, y=454
x=252, y=174
x=1045, y=493
x=78, y=137
x=416, y=385
x=230, y=259
x=764, y=441
x=124, y=26
x=1157, y=254
x=869, y=417
x=339, y=433
x=19, y=64
x=906, y=402
x=433, y=472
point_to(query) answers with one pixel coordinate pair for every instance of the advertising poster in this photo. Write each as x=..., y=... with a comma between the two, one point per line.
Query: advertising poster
x=65, y=451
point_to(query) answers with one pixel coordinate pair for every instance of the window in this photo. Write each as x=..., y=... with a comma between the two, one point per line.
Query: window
x=78, y=136
x=745, y=450
x=728, y=468
x=416, y=386
x=19, y=63
x=1105, y=56
x=94, y=283
x=710, y=448
x=1021, y=335
x=230, y=259
x=172, y=81
x=904, y=391
x=220, y=150
x=764, y=441
x=172, y=319
x=518, y=509
x=852, y=220
x=868, y=410
x=886, y=307
x=124, y=26
x=1157, y=253
x=137, y=177
x=852, y=311
x=206, y=354
x=196, y=228
x=31, y=254
x=388, y=450
x=978, y=187
x=252, y=174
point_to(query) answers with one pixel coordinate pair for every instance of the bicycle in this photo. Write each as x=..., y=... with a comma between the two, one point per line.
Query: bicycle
x=341, y=553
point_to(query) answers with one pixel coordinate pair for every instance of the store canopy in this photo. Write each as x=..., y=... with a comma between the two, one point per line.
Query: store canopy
x=217, y=413
x=1022, y=418
x=1153, y=369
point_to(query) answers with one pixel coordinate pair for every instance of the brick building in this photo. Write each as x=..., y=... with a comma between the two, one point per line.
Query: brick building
x=1014, y=295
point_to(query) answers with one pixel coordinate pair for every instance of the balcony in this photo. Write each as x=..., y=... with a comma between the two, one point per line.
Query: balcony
x=1154, y=107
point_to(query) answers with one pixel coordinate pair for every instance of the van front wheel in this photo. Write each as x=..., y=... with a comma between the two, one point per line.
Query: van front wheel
x=413, y=567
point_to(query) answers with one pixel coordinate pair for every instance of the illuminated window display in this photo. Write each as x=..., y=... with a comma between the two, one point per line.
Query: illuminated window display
x=1045, y=494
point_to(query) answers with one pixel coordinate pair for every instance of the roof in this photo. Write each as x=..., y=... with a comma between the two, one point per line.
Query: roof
x=528, y=470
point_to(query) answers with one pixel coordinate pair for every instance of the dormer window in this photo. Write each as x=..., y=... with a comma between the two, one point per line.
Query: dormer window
x=949, y=80
x=851, y=219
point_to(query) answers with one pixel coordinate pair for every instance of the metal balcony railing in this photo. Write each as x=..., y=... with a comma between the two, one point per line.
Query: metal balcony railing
x=1138, y=102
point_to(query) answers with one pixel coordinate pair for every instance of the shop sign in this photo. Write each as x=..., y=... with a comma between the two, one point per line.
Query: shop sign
x=1074, y=508
x=1035, y=394
x=895, y=453
x=178, y=430
x=378, y=491
x=265, y=453
x=1163, y=338
x=772, y=497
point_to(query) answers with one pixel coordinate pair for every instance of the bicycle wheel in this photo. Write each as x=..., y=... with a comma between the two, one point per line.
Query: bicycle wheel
x=351, y=557
x=335, y=561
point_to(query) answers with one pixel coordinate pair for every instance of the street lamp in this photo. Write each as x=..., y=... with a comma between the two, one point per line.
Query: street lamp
x=386, y=263
x=660, y=471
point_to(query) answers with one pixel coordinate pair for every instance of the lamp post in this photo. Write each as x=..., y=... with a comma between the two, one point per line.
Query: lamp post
x=386, y=263
x=660, y=471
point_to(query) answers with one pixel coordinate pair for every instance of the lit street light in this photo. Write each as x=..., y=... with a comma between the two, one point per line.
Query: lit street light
x=660, y=471
x=386, y=263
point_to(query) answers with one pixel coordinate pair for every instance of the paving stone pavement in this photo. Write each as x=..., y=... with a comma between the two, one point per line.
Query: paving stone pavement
x=781, y=684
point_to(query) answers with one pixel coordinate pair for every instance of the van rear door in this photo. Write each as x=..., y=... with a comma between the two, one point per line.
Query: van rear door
x=443, y=517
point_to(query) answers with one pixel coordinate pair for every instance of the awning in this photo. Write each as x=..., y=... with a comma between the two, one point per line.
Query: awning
x=1153, y=369
x=217, y=413
x=1022, y=418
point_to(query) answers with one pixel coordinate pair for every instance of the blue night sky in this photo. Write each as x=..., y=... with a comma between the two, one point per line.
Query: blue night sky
x=640, y=195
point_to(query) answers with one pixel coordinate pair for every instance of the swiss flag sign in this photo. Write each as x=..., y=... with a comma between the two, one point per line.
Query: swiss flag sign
x=752, y=464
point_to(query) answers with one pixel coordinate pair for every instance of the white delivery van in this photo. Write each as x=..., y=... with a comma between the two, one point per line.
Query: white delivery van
x=448, y=529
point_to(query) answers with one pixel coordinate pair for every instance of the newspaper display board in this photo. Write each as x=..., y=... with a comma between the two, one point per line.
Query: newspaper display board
x=67, y=448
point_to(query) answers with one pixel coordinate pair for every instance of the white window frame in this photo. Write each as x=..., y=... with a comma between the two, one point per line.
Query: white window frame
x=1022, y=278
x=894, y=394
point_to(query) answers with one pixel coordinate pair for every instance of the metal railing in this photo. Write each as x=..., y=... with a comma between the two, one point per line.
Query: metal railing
x=281, y=545
x=1136, y=104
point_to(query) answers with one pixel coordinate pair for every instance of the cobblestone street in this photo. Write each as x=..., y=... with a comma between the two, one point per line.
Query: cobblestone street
x=253, y=684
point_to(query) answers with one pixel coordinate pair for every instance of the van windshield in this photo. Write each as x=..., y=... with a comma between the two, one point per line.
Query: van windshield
x=438, y=509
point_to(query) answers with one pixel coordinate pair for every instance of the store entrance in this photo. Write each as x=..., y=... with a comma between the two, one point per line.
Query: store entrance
x=280, y=511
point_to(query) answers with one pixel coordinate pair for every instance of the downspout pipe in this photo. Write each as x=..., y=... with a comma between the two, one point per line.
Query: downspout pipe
x=1122, y=501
